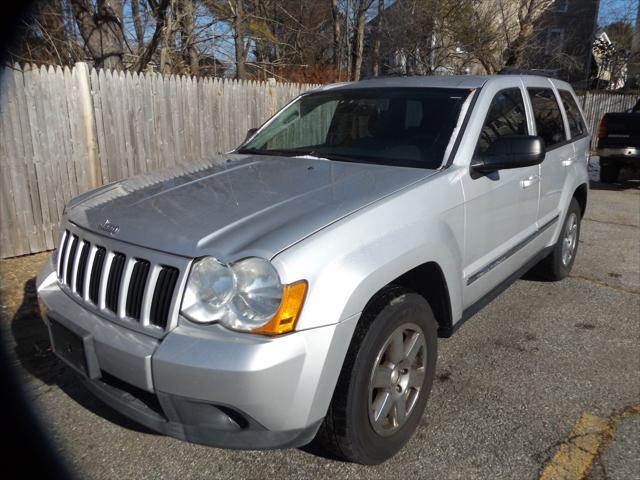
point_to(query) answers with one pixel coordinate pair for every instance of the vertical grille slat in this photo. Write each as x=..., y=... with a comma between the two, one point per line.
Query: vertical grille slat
x=161, y=302
x=82, y=267
x=96, y=274
x=70, y=259
x=114, y=282
x=137, y=285
x=62, y=252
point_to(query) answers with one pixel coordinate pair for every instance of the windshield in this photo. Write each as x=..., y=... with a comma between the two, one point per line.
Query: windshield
x=405, y=127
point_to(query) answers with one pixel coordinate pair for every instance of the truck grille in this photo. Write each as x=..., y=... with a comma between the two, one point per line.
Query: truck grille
x=121, y=286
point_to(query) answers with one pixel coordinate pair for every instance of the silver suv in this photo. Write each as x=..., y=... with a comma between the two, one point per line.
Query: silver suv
x=295, y=289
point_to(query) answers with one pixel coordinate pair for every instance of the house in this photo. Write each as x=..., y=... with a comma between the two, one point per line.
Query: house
x=412, y=44
x=611, y=62
x=634, y=60
x=563, y=37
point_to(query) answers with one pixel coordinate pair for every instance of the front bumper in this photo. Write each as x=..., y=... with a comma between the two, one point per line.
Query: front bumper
x=207, y=384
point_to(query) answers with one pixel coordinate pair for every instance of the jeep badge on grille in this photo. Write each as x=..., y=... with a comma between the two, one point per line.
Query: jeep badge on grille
x=110, y=228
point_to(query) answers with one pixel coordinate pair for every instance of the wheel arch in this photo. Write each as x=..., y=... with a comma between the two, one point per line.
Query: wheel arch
x=580, y=194
x=427, y=280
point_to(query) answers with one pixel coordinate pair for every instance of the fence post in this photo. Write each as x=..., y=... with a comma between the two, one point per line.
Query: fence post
x=88, y=121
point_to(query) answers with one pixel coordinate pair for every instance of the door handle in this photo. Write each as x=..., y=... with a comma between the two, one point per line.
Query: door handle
x=568, y=162
x=529, y=181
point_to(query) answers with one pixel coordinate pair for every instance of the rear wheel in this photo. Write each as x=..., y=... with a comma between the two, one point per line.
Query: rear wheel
x=609, y=172
x=559, y=263
x=385, y=380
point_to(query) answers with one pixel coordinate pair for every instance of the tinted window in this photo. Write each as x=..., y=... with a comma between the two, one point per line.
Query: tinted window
x=506, y=116
x=546, y=111
x=576, y=125
x=408, y=127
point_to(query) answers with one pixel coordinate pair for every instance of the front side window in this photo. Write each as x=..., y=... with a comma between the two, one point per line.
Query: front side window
x=506, y=117
x=404, y=127
x=546, y=111
x=576, y=124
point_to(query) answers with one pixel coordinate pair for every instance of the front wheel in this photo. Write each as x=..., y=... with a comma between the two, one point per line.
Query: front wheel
x=385, y=380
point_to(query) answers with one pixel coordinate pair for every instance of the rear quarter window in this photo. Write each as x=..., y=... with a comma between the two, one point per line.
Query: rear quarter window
x=546, y=111
x=576, y=124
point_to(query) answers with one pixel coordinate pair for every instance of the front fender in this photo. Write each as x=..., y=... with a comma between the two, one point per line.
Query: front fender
x=349, y=261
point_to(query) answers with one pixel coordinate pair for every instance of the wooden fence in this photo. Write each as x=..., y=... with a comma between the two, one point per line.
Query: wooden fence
x=65, y=131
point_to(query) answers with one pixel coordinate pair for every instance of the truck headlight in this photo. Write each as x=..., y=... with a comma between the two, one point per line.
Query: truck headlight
x=247, y=295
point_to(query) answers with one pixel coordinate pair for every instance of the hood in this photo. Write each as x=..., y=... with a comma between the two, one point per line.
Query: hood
x=235, y=206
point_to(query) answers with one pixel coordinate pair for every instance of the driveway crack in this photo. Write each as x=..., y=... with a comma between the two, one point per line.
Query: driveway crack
x=604, y=222
x=602, y=283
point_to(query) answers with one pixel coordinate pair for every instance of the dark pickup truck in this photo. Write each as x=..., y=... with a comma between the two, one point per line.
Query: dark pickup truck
x=619, y=143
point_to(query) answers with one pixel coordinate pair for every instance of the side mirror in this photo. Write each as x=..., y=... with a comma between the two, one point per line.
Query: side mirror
x=250, y=134
x=512, y=151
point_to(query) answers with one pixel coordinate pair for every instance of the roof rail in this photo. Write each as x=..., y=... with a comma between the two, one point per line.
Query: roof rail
x=388, y=75
x=522, y=71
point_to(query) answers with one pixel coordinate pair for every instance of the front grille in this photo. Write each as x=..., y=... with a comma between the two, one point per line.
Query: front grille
x=120, y=286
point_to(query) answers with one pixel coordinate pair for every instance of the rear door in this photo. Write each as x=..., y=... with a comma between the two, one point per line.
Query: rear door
x=580, y=138
x=550, y=125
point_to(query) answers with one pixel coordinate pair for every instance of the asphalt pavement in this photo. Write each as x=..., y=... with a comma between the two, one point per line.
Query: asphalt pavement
x=511, y=383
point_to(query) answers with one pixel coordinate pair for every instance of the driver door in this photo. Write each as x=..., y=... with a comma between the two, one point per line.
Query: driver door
x=501, y=208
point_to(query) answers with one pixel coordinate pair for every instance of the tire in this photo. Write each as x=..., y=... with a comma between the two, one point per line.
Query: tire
x=349, y=430
x=609, y=172
x=556, y=266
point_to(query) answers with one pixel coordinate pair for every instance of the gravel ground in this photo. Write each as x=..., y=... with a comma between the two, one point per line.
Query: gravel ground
x=510, y=384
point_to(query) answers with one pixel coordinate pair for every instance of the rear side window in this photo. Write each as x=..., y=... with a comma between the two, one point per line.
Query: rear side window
x=576, y=125
x=546, y=111
x=506, y=116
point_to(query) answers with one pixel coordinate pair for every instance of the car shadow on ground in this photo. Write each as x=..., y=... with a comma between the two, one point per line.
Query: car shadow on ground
x=620, y=185
x=32, y=349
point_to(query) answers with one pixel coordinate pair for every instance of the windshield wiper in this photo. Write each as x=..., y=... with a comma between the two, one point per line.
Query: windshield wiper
x=292, y=152
x=334, y=156
x=283, y=152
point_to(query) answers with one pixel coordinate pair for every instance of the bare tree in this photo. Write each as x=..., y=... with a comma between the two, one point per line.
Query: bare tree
x=361, y=12
x=237, y=10
x=527, y=12
x=160, y=12
x=377, y=39
x=137, y=23
x=335, y=16
x=186, y=20
x=101, y=30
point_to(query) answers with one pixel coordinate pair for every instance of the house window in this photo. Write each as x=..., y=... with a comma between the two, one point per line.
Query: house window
x=561, y=5
x=555, y=40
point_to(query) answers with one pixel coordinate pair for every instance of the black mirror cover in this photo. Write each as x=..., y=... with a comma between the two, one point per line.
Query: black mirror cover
x=250, y=134
x=508, y=152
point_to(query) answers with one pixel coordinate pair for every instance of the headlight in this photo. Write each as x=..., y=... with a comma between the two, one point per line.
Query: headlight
x=246, y=295
x=210, y=288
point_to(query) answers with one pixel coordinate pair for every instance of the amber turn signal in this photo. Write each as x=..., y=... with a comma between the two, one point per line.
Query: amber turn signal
x=285, y=319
